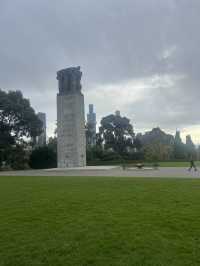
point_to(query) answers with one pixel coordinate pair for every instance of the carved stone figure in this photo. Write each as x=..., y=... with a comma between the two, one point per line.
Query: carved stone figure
x=69, y=80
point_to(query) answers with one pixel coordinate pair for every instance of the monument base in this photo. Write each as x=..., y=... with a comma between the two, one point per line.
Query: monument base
x=85, y=168
x=71, y=131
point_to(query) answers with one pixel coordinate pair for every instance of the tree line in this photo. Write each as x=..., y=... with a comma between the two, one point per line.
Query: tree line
x=114, y=142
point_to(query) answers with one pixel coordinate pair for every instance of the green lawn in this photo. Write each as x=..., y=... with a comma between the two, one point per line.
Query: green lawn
x=99, y=221
x=177, y=164
x=133, y=163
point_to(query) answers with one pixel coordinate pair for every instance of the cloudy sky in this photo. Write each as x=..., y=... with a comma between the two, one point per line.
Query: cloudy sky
x=141, y=57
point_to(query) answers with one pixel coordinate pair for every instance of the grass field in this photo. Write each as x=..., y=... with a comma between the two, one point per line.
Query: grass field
x=177, y=164
x=161, y=164
x=99, y=221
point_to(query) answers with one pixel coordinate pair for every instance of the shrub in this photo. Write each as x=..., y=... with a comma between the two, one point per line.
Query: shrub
x=18, y=158
x=43, y=158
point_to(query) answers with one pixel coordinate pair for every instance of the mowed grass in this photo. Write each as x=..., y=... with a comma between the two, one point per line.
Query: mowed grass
x=99, y=221
x=148, y=164
x=177, y=164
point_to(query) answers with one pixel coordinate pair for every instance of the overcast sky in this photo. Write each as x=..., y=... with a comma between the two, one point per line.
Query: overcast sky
x=141, y=57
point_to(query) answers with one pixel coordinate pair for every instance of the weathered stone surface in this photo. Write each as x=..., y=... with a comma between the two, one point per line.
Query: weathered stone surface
x=70, y=120
x=69, y=80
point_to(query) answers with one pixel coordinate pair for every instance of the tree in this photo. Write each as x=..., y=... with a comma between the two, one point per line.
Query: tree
x=18, y=158
x=43, y=158
x=99, y=140
x=17, y=118
x=6, y=139
x=117, y=133
x=157, y=145
x=18, y=124
x=137, y=144
x=158, y=152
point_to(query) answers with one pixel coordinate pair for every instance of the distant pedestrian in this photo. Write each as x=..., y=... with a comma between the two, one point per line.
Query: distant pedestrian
x=192, y=165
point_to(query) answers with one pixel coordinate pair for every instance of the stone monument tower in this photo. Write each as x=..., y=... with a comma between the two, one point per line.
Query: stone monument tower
x=70, y=119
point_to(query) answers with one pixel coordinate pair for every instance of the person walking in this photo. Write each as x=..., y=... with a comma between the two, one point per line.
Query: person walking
x=192, y=165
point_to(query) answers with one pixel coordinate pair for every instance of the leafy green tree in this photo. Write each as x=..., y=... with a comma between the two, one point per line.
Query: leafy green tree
x=99, y=140
x=117, y=133
x=18, y=158
x=43, y=158
x=17, y=118
x=158, y=152
x=157, y=145
x=18, y=125
x=94, y=153
x=6, y=139
x=137, y=144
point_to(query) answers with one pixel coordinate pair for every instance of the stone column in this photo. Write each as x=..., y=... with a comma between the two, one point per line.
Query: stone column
x=71, y=145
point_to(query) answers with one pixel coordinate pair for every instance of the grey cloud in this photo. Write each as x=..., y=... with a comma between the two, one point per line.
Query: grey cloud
x=169, y=108
x=113, y=41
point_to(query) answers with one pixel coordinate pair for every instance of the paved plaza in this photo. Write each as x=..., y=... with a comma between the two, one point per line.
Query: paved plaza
x=169, y=172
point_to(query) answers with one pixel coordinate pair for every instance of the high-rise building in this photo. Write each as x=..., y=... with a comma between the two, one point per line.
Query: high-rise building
x=91, y=126
x=189, y=142
x=177, y=138
x=117, y=113
x=41, y=140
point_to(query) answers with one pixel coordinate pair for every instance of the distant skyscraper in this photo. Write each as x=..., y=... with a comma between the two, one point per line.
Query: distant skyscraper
x=91, y=126
x=41, y=140
x=117, y=113
x=189, y=142
x=178, y=139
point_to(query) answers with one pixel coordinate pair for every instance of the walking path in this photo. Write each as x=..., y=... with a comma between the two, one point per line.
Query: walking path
x=170, y=172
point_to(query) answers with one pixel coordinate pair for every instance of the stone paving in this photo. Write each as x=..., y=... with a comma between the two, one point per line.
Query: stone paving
x=169, y=172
